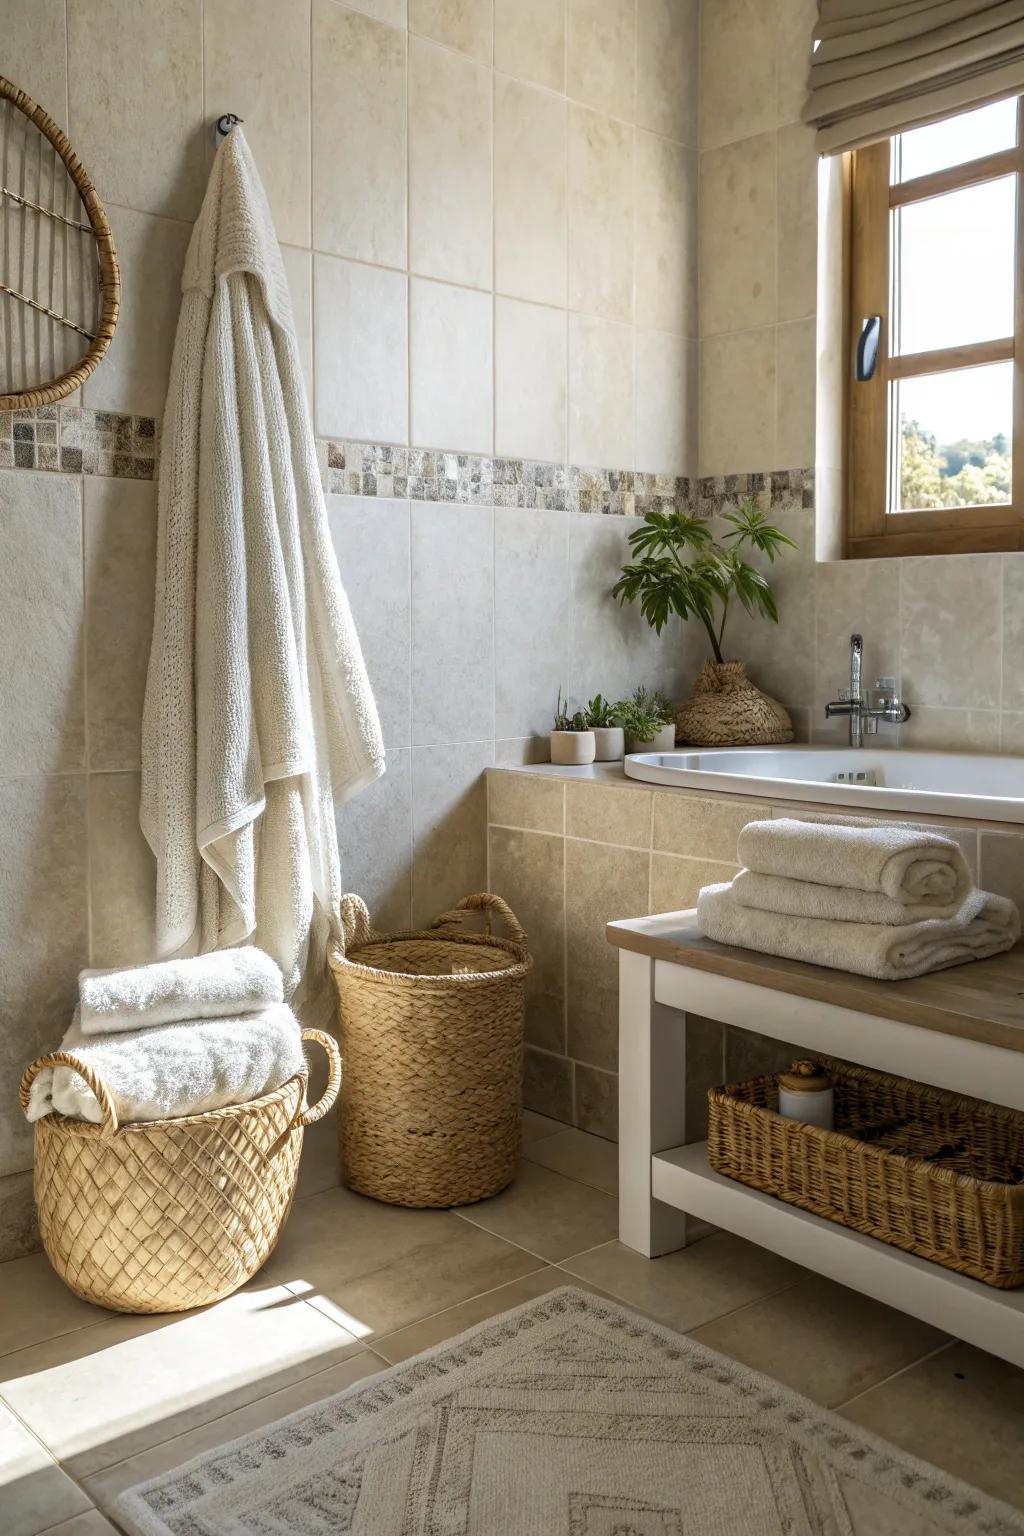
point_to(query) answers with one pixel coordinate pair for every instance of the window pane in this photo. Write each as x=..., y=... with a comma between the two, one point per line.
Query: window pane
x=954, y=141
x=954, y=267
x=953, y=444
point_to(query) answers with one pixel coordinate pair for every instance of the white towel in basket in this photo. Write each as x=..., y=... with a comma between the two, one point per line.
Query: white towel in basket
x=222, y=985
x=174, y=1069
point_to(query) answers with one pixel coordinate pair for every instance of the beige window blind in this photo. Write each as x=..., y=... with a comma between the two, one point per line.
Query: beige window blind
x=883, y=66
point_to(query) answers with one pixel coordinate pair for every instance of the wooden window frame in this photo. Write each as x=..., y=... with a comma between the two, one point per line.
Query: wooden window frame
x=871, y=529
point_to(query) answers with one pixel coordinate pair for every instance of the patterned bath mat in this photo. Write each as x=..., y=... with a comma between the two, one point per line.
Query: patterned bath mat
x=569, y=1416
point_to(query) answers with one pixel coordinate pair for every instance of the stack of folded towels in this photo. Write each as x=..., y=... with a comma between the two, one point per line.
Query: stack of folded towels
x=177, y=1038
x=884, y=901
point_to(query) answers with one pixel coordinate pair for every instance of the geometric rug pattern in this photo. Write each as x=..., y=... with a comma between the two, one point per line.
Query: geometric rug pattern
x=569, y=1416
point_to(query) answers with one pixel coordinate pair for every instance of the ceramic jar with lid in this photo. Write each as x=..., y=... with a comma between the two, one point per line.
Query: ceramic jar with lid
x=806, y=1092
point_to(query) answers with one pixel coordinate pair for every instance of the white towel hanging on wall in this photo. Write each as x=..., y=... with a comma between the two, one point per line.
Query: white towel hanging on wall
x=259, y=714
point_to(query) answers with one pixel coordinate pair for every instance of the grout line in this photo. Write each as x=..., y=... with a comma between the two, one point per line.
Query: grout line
x=491, y=1233
x=86, y=712
x=570, y=1257
x=408, y=235
x=565, y=956
x=491, y=1290
x=867, y=1391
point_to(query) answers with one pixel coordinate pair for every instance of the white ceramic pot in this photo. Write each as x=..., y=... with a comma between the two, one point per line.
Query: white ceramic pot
x=572, y=749
x=664, y=741
x=610, y=742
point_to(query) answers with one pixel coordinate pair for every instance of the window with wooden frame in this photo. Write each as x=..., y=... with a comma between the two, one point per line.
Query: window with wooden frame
x=935, y=402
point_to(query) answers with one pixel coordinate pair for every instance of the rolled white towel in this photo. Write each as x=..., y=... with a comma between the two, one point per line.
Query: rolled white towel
x=224, y=984
x=984, y=925
x=908, y=865
x=802, y=898
x=174, y=1069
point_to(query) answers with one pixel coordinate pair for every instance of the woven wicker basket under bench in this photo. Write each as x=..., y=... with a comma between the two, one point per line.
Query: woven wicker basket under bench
x=960, y=1031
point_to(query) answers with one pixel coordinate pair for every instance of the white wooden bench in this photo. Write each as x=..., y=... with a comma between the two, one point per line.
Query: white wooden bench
x=961, y=1029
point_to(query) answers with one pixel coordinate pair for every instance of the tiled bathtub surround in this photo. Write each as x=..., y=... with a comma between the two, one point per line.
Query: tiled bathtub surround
x=570, y=855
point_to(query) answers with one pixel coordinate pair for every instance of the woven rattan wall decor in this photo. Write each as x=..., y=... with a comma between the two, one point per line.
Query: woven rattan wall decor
x=59, y=280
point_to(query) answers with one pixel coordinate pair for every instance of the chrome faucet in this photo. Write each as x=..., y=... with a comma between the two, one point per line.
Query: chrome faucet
x=883, y=702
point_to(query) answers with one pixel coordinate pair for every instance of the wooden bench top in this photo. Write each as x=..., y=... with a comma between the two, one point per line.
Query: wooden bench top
x=982, y=1001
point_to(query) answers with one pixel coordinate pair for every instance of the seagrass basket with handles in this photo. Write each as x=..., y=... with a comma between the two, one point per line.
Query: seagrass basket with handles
x=928, y=1171
x=166, y=1215
x=431, y=1027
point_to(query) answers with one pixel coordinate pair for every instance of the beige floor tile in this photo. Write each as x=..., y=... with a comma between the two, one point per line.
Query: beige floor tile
x=320, y=1167
x=962, y=1410
x=104, y=1487
x=445, y=1325
x=103, y=1393
x=34, y=1492
x=35, y=1304
x=822, y=1339
x=580, y=1156
x=91, y=1523
x=547, y=1214
x=688, y=1288
x=375, y=1268
x=536, y=1127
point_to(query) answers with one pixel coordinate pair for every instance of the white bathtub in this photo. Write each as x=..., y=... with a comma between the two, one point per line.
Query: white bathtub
x=938, y=783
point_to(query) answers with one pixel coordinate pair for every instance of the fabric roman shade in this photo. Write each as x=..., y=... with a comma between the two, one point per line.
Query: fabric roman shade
x=882, y=66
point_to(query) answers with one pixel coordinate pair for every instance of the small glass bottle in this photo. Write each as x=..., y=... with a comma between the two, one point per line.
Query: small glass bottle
x=806, y=1093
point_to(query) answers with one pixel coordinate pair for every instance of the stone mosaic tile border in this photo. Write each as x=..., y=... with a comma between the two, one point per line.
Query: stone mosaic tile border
x=779, y=490
x=372, y=469
x=74, y=439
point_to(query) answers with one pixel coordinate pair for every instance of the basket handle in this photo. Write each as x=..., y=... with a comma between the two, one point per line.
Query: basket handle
x=314, y=1112
x=487, y=903
x=356, y=928
x=92, y=1080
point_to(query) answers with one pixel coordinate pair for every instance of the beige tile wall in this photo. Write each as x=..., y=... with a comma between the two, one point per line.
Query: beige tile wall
x=458, y=186
x=950, y=629
x=570, y=855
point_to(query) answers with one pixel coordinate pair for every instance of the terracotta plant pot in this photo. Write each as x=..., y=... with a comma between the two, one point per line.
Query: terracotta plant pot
x=726, y=710
x=610, y=742
x=572, y=749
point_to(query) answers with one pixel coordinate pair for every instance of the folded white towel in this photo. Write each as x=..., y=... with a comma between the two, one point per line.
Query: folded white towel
x=802, y=898
x=908, y=865
x=174, y=1069
x=985, y=925
x=224, y=984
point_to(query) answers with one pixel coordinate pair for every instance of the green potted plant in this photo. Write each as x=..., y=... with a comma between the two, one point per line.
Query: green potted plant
x=647, y=718
x=606, y=724
x=572, y=740
x=682, y=569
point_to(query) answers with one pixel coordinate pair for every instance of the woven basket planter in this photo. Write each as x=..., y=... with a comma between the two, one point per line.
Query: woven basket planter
x=726, y=710
x=929, y=1172
x=168, y=1215
x=431, y=1030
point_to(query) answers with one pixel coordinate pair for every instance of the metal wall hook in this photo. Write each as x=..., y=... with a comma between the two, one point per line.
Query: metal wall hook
x=224, y=125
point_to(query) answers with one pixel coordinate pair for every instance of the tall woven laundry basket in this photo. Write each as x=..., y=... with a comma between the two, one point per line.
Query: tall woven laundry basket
x=166, y=1215
x=432, y=1042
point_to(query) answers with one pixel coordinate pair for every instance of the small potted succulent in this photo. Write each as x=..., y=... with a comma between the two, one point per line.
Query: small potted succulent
x=572, y=740
x=609, y=737
x=647, y=717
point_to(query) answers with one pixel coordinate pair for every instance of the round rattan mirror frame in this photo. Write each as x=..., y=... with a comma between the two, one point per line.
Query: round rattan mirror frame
x=109, y=272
